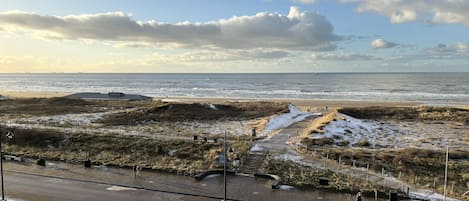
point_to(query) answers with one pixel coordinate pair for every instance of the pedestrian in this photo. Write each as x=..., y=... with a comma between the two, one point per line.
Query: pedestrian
x=359, y=196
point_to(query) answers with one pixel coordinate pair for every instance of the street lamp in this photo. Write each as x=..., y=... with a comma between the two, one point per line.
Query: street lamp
x=225, y=160
x=224, y=166
x=10, y=134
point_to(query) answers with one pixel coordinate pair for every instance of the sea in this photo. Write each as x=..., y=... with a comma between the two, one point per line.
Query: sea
x=429, y=88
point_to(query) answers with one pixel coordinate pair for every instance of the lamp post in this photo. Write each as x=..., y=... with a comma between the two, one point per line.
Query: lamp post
x=10, y=135
x=446, y=172
x=224, y=166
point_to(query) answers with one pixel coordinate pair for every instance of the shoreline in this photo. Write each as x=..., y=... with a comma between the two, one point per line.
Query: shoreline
x=303, y=103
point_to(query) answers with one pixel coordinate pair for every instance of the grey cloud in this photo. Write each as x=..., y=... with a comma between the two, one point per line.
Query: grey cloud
x=399, y=11
x=233, y=55
x=296, y=31
x=344, y=57
x=458, y=51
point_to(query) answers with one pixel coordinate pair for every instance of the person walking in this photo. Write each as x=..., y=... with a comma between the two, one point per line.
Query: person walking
x=359, y=196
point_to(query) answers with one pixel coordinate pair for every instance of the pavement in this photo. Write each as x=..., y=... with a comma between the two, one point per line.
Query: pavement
x=32, y=188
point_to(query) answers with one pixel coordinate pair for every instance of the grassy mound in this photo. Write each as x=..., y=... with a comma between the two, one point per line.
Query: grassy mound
x=197, y=112
x=421, y=113
x=44, y=106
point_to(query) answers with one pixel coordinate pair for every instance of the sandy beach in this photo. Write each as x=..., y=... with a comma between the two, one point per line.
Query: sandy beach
x=31, y=94
x=302, y=103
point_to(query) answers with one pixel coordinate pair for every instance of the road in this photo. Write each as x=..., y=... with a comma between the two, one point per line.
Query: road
x=32, y=188
x=64, y=182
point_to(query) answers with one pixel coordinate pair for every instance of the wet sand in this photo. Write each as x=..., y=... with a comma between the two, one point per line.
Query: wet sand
x=313, y=104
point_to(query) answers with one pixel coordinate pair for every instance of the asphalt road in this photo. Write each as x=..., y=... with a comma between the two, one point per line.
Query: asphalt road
x=22, y=187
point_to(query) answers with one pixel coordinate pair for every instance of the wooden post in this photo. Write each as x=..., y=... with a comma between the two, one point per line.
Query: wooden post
x=367, y=176
x=338, y=166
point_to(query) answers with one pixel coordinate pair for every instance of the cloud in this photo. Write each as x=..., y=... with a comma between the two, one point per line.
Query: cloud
x=381, y=44
x=399, y=11
x=305, y=1
x=443, y=51
x=224, y=55
x=296, y=31
x=458, y=51
x=343, y=57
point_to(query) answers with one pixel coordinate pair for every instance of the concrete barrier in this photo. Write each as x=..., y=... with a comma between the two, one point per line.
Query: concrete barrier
x=13, y=158
x=87, y=163
x=202, y=175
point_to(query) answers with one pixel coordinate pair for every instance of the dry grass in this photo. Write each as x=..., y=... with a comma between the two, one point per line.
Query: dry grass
x=317, y=141
x=421, y=113
x=307, y=178
x=197, y=112
x=415, y=166
x=57, y=106
x=124, y=151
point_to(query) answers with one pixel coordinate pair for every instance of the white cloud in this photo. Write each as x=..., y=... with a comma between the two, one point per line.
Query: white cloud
x=399, y=11
x=343, y=56
x=305, y=1
x=458, y=51
x=296, y=31
x=381, y=44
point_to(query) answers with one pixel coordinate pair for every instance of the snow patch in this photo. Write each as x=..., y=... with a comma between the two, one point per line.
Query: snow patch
x=429, y=195
x=257, y=148
x=352, y=130
x=293, y=158
x=286, y=187
x=120, y=188
x=212, y=106
x=287, y=119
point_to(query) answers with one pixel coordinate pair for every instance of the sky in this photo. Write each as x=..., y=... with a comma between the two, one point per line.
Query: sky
x=226, y=36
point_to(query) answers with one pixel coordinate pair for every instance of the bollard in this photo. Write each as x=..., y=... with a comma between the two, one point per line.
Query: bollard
x=87, y=163
x=41, y=162
x=392, y=195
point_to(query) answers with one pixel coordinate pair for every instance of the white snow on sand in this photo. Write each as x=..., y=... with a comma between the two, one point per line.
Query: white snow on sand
x=293, y=158
x=351, y=129
x=257, y=148
x=392, y=134
x=286, y=187
x=429, y=195
x=74, y=119
x=287, y=119
x=120, y=188
x=212, y=106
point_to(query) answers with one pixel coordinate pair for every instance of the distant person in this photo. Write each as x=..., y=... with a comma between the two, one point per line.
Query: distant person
x=359, y=196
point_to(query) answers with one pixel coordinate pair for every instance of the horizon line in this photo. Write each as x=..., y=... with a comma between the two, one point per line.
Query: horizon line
x=359, y=72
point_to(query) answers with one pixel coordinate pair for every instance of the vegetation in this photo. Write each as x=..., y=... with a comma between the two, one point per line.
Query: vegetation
x=119, y=150
x=421, y=113
x=58, y=106
x=307, y=177
x=415, y=166
x=197, y=112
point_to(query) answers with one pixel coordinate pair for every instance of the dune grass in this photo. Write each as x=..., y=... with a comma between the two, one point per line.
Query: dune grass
x=118, y=150
x=197, y=112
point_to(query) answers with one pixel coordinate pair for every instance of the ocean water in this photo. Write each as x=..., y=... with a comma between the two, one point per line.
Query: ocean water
x=433, y=88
